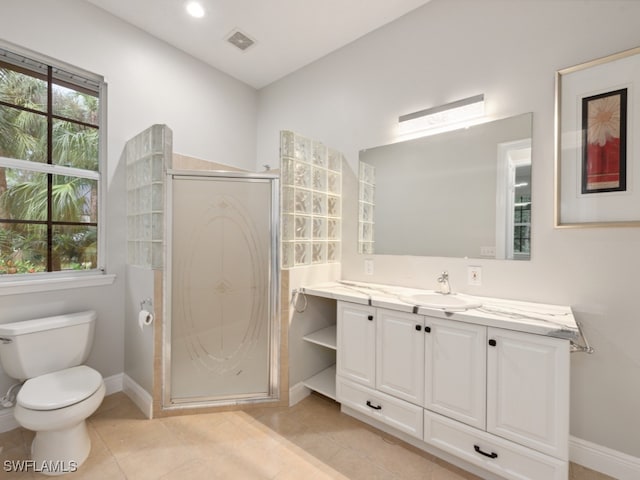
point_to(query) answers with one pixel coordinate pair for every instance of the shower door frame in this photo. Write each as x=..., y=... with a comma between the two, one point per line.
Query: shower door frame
x=274, y=326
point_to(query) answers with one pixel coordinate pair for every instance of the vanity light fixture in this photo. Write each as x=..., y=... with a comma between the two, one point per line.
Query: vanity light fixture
x=195, y=9
x=441, y=118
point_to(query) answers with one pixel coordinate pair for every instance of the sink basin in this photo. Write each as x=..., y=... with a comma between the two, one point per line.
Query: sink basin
x=449, y=302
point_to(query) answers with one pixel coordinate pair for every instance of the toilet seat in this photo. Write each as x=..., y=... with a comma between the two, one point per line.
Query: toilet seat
x=59, y=389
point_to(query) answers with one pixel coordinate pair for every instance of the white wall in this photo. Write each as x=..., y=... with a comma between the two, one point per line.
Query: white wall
x=212, y=115
x=508, y=50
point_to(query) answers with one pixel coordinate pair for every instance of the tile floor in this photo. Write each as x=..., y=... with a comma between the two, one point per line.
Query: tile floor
x=310, y=441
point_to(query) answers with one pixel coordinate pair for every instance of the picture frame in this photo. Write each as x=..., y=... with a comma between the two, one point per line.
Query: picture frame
x=597, y=161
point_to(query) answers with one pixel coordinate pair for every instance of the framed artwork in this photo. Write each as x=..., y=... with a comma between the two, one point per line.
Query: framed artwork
x=597, y=156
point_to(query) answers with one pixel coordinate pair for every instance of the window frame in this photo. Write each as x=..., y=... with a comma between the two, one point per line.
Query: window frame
x=56, y=280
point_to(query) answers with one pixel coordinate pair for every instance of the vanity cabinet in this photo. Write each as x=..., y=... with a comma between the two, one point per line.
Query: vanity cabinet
x=494, y=397
x=400, y=355
x=528, y=390
x=455, y=370
x=356, y=359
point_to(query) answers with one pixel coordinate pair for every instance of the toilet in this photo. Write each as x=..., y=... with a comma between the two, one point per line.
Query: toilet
x=59, y=392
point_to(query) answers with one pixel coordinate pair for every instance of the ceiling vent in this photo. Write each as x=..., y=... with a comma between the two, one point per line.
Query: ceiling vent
x=240, y=40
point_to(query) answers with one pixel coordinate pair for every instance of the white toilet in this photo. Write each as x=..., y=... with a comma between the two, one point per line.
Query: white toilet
x=59, y=392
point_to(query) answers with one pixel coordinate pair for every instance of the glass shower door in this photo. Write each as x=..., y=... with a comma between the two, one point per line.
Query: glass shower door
x=223, y=326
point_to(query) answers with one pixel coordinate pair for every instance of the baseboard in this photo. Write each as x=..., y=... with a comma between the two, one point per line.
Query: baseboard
x=138, y=395
x=605, y=460
x=297, y=393
x=113, y=384
x=7, y=420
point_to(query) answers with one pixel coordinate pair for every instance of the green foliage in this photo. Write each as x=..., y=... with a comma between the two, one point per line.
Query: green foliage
x=23, y=193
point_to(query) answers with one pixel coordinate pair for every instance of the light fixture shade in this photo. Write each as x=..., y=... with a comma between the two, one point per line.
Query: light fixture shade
x=450, y=114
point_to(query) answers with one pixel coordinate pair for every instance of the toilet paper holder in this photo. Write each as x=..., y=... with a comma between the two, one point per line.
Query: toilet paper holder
x=146, y=304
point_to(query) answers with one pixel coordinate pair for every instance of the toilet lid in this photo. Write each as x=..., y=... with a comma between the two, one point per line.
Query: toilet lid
x=59, y=389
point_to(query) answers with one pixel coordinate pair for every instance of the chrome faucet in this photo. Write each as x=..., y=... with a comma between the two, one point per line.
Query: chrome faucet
x=443, y=280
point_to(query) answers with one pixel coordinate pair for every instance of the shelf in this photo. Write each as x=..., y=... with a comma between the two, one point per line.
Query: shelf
x=323, y=382
x=325, y=337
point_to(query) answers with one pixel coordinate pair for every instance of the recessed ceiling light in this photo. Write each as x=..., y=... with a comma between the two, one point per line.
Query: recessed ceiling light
x=195, y=9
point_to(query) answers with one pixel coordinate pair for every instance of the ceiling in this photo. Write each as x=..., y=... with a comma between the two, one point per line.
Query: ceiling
x=288, y=34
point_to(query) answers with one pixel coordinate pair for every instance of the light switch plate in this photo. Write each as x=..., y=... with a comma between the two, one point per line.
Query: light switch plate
x=368, y=266
x=474, y=275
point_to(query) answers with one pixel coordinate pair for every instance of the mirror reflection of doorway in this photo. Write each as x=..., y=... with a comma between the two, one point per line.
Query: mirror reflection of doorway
x=513, y=202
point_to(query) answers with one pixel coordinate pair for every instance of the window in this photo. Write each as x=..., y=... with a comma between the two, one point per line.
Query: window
x=50, y=180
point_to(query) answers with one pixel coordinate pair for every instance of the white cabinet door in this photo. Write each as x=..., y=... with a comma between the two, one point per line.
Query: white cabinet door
x=400, y=355
x=356, y=343
x=455, y=370
x=528, y=390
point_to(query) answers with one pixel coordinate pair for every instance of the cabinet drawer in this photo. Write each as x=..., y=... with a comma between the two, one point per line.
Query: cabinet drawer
x=491, y=453
x=396, y=413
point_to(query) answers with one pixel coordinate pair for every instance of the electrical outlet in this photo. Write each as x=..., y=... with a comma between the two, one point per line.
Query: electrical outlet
x=474, y=276
x=368, y=266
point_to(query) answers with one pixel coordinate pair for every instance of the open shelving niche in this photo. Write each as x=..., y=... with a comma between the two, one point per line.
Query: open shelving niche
x=323, y=382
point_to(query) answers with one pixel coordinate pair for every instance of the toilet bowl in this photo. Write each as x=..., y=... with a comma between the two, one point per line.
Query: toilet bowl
x=59, y=393
x=56, y=406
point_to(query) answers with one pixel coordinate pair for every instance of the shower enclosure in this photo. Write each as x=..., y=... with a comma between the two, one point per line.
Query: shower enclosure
x=222, y=329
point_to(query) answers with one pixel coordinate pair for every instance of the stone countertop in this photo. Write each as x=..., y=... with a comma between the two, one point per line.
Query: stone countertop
x=539, y=318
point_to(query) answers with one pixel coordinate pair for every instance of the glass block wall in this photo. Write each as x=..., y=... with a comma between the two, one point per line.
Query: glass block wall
x=366, y=205
x=311, y=179
x=146, y=155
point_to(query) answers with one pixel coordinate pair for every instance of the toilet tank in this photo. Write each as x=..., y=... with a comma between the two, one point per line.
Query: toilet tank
x=34, y=347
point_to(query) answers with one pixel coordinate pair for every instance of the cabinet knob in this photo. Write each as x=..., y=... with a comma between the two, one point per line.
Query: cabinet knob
x=427, y=329
x=492, y=342
x=370, y=317
x=419, y=328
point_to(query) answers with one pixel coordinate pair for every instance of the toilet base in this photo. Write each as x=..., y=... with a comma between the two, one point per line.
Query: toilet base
x=56, y=452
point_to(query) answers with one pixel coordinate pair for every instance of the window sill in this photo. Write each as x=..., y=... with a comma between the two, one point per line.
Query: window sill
x=56, y=283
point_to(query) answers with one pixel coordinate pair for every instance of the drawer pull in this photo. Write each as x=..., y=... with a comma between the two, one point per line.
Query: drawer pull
x=375, y=407
x=490, y=455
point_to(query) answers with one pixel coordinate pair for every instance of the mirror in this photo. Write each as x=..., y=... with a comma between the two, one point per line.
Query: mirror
x=462, y=193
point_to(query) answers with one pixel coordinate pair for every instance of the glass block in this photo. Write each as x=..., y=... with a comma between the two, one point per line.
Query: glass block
x=333, y=229
x=287, y=227
x=367, y=193
x=288, y=200
x=287, y=255
x=302, y=253
x=286, y=173
x=319, y=154
x=319, y=179
x=318, y=252
x=145, y=254
x=367, y=248
x=302, y=201
x=334, y=160
x=144, y=199
x=334, y=183
x=367, y=173
x=157, y=197
x=302, y=147
x=286, y=144
x=132, y=202
x=366, y=212
x=333, y=206
x=333, y=252
x=319, y=204
x=157, y=255
x=302, y=227
x=157, y=226
x=319, y=228
x=157, y=168
x=366, y=232
x=302, y=175
x=145, y=233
